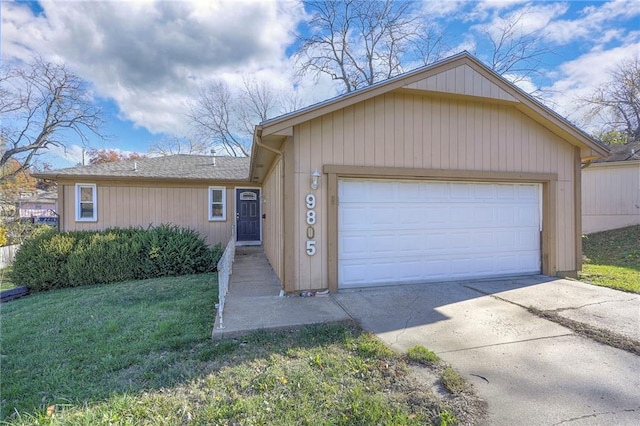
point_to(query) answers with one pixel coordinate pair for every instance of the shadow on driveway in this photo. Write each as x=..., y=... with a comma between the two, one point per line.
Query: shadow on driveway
x=529, y=370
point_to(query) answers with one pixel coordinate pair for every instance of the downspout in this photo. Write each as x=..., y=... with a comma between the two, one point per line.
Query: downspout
x=258, y=141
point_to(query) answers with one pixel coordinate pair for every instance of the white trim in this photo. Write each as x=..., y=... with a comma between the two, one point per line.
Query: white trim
x=235, y=215
x=210, y=203
x=76, y=201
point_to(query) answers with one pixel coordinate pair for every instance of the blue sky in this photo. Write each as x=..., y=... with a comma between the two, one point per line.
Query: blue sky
x=145, y=60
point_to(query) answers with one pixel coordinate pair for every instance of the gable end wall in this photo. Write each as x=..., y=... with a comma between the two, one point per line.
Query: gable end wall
x=400, y=130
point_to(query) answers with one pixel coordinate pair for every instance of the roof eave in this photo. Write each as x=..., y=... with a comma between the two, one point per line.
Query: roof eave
x=88, y=177
x=527, y=104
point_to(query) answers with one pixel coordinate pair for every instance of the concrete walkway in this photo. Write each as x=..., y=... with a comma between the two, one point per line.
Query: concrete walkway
x=531, y=371
x=254, y=302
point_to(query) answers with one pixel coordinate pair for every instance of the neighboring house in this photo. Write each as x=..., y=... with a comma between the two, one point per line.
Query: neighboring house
x=611, y=190
x=39, y=204
x=447, y=172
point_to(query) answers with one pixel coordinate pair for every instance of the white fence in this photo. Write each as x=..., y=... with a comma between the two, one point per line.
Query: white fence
x=225, y=268
x=7, y=254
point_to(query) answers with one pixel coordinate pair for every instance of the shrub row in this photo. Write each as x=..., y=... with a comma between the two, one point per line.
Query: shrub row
x=51, y=259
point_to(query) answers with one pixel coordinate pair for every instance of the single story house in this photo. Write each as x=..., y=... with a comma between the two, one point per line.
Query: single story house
x=443, y=173
x=40, y=203
x=194, y=191
x=611, y=190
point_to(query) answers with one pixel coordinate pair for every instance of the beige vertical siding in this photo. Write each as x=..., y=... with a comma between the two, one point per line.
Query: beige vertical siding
x=123, y=205
x=416, y=131
x=273, y=232
x=462, y=80
x=610, y=196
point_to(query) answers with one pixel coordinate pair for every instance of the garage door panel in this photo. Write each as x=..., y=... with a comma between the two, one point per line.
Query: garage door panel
x=484, y=214
x=528, y=192
x=528, y=240
x=437, y=191
x=354, y=274
x=483, y=240
x=463, y=192
x=505, y=192
x=353, y=245
x=351, y=215
x=432, y=215
x=528, y=215
x=483, y=192
x=414, y=231
x=411, y=215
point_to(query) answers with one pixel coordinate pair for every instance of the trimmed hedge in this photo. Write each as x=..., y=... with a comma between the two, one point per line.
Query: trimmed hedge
x=49, y=259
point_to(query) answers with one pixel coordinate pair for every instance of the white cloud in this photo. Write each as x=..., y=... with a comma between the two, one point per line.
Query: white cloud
x=148, y=56
x=438, y=8
x=578, y=79
x=485, y=8
x=527, y=20
x=592, y=22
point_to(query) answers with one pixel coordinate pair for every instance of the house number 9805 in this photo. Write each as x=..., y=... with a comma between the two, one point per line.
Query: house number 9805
x=310, y=203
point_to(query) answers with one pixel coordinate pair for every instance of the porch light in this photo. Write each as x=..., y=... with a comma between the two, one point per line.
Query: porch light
x=315, y=179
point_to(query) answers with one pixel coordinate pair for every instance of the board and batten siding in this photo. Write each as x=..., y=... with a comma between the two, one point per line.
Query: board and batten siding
x=610, y=196
x=406, y=130
x=125, y=205
x=272, y=225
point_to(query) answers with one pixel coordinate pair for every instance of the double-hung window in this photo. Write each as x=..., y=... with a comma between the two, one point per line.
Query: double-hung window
x=86, y=202
x=217, y=203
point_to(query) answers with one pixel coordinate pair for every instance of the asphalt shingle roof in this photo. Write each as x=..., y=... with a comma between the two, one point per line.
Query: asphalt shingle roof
x=179, y=166
x=626, y=152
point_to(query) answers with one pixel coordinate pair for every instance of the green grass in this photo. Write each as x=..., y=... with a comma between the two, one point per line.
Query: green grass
x=422, y=355
x=613, y=259
x=452, y=380
x=141, y=353
x=82, y=344
x=6, y=280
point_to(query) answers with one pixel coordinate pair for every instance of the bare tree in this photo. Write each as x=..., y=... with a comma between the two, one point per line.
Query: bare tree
x=42, y=106
x=175, y=145
x=222, y=117
x=258, y=101
x=212, y=117
x=617, y=103
x=430, y=44
x=515, y=52
x=361, y=42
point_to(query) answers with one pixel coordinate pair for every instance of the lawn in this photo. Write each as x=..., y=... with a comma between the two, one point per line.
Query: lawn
x=141, y=353
x=613, y=259
x=6, y=281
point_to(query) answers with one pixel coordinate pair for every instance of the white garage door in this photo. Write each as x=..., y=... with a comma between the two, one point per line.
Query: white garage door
x=396, y=232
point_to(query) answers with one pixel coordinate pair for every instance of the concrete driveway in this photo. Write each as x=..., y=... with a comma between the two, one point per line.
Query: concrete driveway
x=531, y=371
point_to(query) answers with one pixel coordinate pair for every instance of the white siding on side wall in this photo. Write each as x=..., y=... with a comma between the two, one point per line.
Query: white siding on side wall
x=610, y=196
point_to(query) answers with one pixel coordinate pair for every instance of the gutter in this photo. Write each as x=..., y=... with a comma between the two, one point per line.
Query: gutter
x=257, y=142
